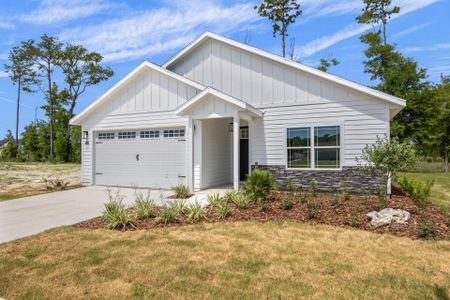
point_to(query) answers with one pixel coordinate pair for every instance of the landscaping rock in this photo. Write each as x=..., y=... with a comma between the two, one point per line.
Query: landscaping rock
x=387, y=216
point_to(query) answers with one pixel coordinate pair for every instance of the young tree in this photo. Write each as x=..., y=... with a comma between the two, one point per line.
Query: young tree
x=378, y=12
x=46, y=55
x=281, y=13
x=22, y=74
x=387, y=157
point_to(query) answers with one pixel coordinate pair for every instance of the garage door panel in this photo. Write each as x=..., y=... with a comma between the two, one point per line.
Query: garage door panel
x=161, y=162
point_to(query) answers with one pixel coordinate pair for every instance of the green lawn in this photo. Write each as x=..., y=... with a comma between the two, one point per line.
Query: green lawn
x=250, y=260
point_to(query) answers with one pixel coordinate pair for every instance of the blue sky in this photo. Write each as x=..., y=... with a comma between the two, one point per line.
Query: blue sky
x=127, y=32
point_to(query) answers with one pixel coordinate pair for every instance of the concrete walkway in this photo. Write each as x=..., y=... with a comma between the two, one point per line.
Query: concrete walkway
x=30, y=215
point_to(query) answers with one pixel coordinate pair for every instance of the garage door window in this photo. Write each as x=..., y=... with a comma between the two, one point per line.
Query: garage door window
x=106, y=135
x=174, y=133
x=149, y=134
x=126, y=135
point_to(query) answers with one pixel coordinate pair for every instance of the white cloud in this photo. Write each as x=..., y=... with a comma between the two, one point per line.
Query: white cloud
x=6, y=25
x=408, y=31
x=320, y=8
x=58, y=11
x=434, y=47
x=3, y=74
x=351, y=30
x=159, y=30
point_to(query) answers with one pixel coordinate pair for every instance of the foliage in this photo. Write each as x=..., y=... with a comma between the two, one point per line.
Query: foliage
x=281, y=13
x=181, y=191
x=222, y=210
x=326, y=63
x=312, y=208
x=55, y=184
x=258, y=186
x=179, y=206
x=420, y=191
x=115, y=213
x=386, y=157
x=292, y=188
x=144, y=206
x=10, y=149
x=195, y=211
x=345, y=191
x=335, y=201
x=313, y=187
x=169, y=215
x=381, y=198
x=214, y=200
x=287, y=204
x=426, y=228
x=240, y=200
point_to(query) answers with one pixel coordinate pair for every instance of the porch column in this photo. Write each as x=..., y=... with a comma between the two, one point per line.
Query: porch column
x=190, y=155
x=236, y=152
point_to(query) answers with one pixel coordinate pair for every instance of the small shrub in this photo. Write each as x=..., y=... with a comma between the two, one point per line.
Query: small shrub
x=426, y=228
x=291, y=187
x=169, y=215
x=195, y=211
x=420, y=191
x=181, y=191
x=287, y=204
x=144, y=206
x=179, y=206
x=381, y=197
x=115, y=213
x=240, y=200
x=229, y=195
x=312, y=208
x=222, y=210
x=258, y=186
x=214, y=200
x=355, y=218
x=54, y=184
x=346, y=195
x=313, y=187
x=335, y=201
x=304, y=198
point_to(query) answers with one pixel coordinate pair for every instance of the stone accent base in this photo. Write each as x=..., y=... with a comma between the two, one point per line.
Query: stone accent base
x=327, y=181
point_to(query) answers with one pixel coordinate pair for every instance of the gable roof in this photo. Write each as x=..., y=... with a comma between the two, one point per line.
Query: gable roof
x=185, y=107
x=324, y=75
x=130, y=76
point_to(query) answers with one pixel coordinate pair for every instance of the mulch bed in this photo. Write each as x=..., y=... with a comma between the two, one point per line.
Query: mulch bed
x=349, y=213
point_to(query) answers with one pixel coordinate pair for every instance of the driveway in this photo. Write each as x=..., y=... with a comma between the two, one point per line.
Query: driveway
x=27, y=216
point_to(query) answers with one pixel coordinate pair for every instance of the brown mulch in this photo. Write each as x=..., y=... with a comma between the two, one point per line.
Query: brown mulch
x=349, y=213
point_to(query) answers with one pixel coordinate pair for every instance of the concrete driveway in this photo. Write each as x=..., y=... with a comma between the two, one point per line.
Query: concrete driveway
x=27, y=216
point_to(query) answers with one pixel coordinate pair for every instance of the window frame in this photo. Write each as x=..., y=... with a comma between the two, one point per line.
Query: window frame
x=175, y=136
x=106, y=135
x=127, y=133
x=313, y=148
x=152, y=134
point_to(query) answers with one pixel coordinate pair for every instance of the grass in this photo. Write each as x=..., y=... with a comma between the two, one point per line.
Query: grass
x=226, y=260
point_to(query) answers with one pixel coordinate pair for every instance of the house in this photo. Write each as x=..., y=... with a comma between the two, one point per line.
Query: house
x=219, y=108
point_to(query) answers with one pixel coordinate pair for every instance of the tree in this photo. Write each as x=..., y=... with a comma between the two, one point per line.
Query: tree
x=30, y=143
x=10, y=148
x=376, y=12
x=21, y=73
x=386, y=157
x=442, y=120
x=46, y=55
x=281, y=13
x=326, y=63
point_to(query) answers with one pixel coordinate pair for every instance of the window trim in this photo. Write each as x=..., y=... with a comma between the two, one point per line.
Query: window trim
x=313, y=148
x=127, y=132
x=106, y=134
x=150, y=131
x=174, y=137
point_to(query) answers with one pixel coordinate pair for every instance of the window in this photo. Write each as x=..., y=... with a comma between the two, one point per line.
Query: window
x=174, y=133
x=323, y=153
x=126, y=135
x=244, y=133
x=106, y=135
x=299, y=147
x=149, y=134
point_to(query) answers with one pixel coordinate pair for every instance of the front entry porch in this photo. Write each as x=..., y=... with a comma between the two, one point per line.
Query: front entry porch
x=218, y=139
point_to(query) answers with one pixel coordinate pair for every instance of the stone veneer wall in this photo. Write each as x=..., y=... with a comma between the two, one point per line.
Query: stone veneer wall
x=329, y=181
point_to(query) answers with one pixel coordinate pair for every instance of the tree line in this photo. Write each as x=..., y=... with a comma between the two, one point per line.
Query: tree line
x=425, y=121
x=60, y=73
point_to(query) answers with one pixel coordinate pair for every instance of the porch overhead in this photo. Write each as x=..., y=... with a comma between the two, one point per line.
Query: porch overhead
x=211, y=103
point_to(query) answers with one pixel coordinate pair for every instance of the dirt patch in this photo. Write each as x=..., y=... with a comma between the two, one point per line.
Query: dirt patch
x=346, y=213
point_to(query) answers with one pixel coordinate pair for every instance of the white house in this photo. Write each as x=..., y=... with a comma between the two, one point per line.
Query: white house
x=217, y=108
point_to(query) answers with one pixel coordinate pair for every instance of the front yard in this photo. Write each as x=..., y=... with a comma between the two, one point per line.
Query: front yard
x=248, y=260
x=26, y=179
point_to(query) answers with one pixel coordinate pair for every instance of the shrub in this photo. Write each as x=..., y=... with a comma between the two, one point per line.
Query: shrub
x=179, y=206
x=258, y=186
x=181, y=191
x=355, y=218
x=144, y=206
x=287, y=204
x=426, y=228
x=222, y=210
x=292, y=188
x=240, y=200
x=229, y=195
x=214, y=200
x=335, y=201
x=304, y=198
x=312, y=208
x=195, y=211
x=115, y=213
x=420, y=191
x=313, y=187
x=381, y=197
x=169, y=214
x=55, y=184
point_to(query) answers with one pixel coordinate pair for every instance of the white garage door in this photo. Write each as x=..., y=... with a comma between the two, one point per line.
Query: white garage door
x=153, y=158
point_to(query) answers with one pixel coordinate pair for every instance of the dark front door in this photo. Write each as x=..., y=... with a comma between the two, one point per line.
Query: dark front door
x=243, y=155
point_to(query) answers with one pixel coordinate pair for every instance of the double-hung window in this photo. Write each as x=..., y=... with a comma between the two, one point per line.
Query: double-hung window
x=316, y=147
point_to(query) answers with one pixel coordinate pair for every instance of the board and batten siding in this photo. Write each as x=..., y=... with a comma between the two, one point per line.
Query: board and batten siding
x=148, y=101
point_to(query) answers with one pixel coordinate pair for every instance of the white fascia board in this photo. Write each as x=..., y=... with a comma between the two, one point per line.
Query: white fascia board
x=125, y=80
x=333, y=78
